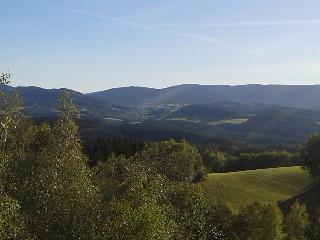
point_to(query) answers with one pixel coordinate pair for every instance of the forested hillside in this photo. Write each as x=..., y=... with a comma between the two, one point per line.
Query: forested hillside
x=292, y=96
x=249, y=123
x=39, y=102
x=50, y=190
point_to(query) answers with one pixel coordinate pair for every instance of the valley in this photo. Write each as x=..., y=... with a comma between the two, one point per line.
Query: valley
x=179, y=112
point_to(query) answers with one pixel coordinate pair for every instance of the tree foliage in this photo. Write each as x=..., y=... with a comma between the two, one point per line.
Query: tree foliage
x=53, y=182
x=314, y=228
x=12, y=222
x=311, y=155
x=259, y=222
x=176, y=160
x=296, y=222
x=215, y=161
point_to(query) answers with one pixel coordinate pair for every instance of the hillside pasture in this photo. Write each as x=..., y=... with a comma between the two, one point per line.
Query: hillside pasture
x=266, y=185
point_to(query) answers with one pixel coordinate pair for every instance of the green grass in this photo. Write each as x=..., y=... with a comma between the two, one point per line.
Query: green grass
x=236, y=121
x=184, y=120
x=265, y=185
x=114, y=119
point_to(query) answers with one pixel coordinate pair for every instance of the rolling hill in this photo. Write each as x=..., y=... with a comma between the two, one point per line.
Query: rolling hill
x=253, y=123
x=40, y=102
x=205, y=113
x=267, y=185
x=291, y=96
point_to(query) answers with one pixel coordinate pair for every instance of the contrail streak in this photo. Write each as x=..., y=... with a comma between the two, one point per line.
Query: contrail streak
x=249, y=24
x=210, y=40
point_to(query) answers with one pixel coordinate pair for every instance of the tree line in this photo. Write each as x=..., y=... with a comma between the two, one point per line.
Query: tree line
x=216, y=160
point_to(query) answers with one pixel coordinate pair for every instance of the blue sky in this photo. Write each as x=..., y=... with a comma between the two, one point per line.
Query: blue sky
x=90, y=45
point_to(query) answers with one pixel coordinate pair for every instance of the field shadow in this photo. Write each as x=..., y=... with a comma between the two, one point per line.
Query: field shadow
x=310, y=197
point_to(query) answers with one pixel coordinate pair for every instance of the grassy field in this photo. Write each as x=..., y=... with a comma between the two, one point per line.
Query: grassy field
x=236, y=121
x=184, y=120
x=266, y=185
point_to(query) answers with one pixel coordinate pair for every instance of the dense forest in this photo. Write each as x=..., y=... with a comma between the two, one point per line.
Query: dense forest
x=55, y=185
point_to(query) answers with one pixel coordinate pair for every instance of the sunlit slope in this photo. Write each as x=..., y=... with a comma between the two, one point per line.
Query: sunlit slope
x=266, y=185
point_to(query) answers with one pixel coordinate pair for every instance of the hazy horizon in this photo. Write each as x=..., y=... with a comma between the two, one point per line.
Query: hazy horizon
x=97, y=45
x=170, y=86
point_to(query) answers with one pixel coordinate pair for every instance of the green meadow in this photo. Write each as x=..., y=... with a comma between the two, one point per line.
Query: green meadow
x=266, y=185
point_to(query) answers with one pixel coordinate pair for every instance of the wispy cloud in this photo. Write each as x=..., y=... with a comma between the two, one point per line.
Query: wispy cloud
x=153, y=28
x=249, y=23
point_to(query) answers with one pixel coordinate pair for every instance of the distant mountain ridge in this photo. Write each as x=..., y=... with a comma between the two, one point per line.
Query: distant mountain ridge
x=251, y=113
x=301, y=96
x=40, y=102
